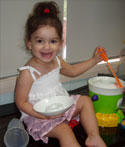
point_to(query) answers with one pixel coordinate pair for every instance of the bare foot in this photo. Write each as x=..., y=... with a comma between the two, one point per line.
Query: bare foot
x=94, y=141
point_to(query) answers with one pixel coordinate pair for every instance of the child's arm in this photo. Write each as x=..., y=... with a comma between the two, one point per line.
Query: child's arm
x=23, y=86
x=79, y=68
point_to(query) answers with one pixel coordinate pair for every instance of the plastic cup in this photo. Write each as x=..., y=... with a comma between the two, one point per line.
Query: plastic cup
x=16, y=135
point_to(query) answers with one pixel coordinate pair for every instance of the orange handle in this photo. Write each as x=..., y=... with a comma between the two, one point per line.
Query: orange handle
x=105, y=58
x=103, y=55
x=118, y=81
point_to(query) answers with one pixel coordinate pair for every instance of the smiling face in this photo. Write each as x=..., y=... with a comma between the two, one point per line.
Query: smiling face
x=44, y=43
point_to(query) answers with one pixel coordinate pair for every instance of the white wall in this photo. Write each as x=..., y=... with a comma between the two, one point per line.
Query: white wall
x=13, y=15
x=91, y=23
x=83, y=34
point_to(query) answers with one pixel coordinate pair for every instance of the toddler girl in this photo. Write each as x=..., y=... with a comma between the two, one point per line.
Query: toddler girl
x=39, y=79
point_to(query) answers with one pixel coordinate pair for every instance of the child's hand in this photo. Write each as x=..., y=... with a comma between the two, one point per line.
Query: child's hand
x=97, y=54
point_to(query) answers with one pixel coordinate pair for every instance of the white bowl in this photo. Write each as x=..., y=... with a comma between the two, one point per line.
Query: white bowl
x=53, y=105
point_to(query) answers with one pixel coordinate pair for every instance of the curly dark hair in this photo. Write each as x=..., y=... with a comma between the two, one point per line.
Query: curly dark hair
x=39, y=17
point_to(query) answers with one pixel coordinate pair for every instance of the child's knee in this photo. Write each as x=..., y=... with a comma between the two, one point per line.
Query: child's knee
x=63, y=130
x=59, y=131
x=64, y=127
x=85, y=99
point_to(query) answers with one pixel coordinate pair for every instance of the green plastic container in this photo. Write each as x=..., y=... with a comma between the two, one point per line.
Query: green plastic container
x=105, y=103
x=106, y=96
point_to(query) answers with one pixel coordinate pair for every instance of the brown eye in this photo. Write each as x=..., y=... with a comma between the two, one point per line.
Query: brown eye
x=53, y=41
x=39, y=41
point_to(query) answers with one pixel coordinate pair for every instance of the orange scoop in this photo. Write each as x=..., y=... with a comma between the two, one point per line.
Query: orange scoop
x=105, y=58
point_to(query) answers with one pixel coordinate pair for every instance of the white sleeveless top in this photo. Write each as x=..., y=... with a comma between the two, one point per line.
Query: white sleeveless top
x=47, y=85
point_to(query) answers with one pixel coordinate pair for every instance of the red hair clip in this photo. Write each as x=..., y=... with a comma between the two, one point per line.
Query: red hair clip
x=46, y=10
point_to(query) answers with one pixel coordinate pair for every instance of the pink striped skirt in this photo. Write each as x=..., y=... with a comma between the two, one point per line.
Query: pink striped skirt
x=39, y=128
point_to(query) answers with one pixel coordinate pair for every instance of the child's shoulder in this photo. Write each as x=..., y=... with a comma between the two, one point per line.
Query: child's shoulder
x=60, y=59
x=24, y=78
x=24, y=71
x=24, y=74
